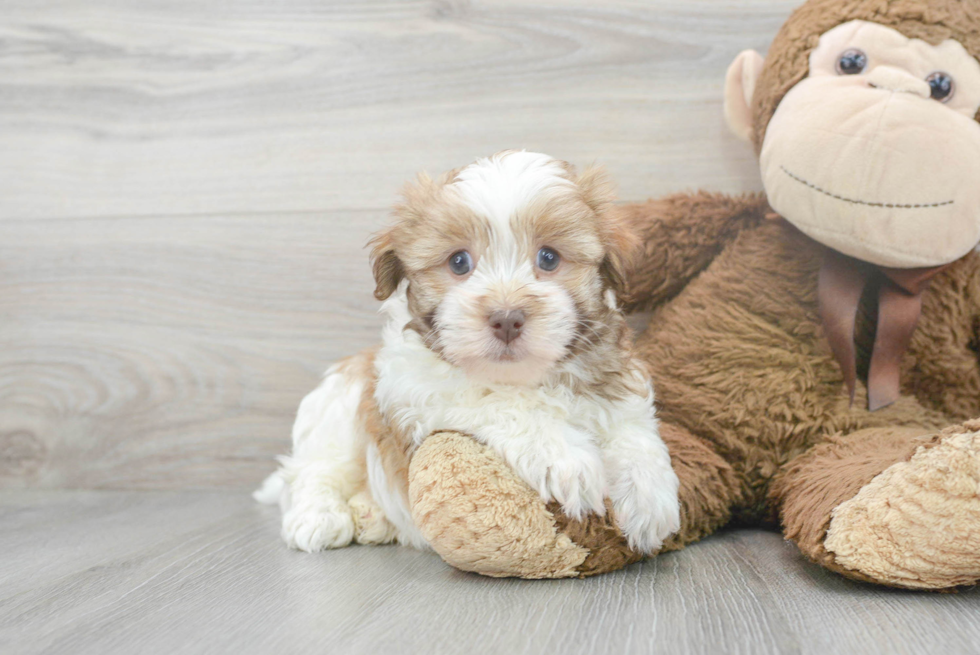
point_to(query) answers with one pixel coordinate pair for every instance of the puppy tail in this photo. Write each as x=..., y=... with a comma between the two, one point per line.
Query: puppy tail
x=270, y=493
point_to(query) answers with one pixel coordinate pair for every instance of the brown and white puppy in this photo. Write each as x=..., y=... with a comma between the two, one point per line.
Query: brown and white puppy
x=500, y=281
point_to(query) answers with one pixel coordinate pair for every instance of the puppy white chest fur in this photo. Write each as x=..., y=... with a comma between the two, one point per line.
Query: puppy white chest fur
x=420, y=392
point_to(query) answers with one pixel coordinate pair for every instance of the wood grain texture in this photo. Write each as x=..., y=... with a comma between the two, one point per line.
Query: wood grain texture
x=129, y=108
x=166, y=572
x=171, y=352
x=186, y=187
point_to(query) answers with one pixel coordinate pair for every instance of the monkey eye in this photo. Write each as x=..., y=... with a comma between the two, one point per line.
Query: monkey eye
x=852, y=62
x=460, y=263
x=942, y=86
x=548, y=259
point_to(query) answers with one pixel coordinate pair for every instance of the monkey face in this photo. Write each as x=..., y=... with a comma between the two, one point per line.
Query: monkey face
x=876, y=153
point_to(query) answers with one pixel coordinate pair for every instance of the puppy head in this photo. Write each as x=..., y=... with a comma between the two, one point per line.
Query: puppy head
x=512, y=263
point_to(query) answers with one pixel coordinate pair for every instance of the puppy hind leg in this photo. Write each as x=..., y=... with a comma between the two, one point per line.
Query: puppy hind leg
x=318, y=516
x=371, y=526
x=327, y=466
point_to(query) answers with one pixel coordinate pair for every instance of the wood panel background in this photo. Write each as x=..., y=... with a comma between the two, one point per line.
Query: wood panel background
x=186, y=188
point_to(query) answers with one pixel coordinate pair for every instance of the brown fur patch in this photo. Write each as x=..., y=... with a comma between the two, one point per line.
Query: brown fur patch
x=806, y=492
x=708, y=491
x=787, y=63
x=427, y=227
x=395, y=448
x=681, y=234
x=709, y=488
x=607, y=548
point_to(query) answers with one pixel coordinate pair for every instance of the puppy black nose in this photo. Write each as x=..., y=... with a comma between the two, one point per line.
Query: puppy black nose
x=507, y=325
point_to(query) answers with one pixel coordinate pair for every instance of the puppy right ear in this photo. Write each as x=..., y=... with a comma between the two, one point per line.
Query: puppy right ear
x=407, y=215
x=388, y=271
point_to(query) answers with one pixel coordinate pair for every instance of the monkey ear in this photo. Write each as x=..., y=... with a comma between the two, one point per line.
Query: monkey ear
x=388, y=270
x=740, y=84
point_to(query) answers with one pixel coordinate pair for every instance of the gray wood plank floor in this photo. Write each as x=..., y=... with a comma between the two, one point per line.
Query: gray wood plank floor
x=205, y=572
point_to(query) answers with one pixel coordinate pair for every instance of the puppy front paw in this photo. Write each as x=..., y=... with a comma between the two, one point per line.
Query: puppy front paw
x=559, y=461
x=311, y=530
x=576, y=482
x=646, y=507
x=573, y=477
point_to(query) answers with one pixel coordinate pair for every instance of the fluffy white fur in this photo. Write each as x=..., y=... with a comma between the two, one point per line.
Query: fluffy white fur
x=571, y=446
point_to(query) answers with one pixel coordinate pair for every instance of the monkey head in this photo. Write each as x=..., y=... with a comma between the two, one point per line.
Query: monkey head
x=865, y=116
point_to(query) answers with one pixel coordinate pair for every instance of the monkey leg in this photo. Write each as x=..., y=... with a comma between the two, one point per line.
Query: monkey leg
x=479, y=516
x=894, y=505
x=708, y=489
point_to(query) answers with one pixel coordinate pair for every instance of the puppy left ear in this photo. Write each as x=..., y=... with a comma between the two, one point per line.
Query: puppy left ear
x=598, y=190
x=622, y=248
x=621, y=243
x=388, y=271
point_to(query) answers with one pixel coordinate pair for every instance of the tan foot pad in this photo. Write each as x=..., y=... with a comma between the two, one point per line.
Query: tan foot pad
x=917, y=523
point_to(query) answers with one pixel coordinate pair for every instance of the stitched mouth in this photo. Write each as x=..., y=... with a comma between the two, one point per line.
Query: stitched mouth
x=853, y=201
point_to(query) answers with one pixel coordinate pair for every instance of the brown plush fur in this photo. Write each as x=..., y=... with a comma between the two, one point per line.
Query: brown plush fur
x=606, y=547
x=693, y=244
x=739, y=358
x=709, y=488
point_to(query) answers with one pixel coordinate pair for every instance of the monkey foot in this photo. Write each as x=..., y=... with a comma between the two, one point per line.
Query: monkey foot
x=479, y=516
x=917, y=523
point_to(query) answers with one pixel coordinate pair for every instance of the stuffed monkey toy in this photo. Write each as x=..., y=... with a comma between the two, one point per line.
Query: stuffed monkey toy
x=815, y=352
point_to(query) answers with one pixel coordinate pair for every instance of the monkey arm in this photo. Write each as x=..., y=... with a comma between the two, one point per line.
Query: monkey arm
x=946, y=375
x=680, y=235
x=974, y=300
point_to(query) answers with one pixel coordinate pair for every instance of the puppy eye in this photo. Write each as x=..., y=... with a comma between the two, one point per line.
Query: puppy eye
x=548, y=259
x=460, y=263
x=942, y=86
x=852, y=62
